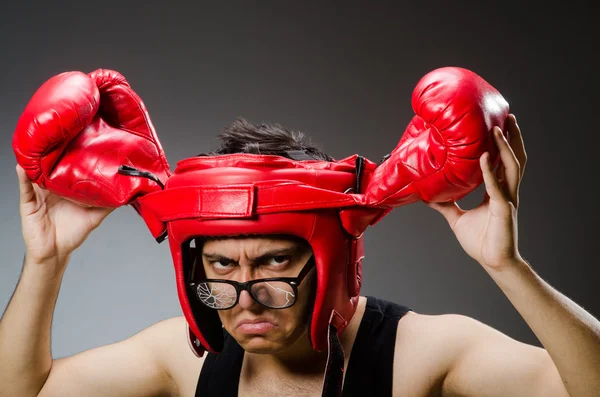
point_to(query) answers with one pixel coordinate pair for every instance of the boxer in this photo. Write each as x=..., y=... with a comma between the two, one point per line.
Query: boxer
x=266, y=236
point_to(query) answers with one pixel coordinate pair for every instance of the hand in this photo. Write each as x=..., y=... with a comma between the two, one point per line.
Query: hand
x=52, y=226
x=488, y=233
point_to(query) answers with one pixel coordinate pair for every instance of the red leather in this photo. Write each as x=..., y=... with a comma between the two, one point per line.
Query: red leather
x=77, y=130
x=437, y=158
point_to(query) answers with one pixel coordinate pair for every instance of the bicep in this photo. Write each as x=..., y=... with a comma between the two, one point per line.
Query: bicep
x=126, y=368
x=491, y=364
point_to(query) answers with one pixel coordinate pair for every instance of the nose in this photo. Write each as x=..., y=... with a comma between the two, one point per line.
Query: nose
x=247, y=273
x=246, y=302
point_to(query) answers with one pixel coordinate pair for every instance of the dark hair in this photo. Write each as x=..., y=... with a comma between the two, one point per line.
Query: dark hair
x=242, y=136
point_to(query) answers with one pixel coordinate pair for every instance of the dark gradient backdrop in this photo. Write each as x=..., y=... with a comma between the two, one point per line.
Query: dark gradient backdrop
x=343, y=74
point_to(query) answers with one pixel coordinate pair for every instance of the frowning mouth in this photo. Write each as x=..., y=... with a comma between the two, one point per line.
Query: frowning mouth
x=255, y=326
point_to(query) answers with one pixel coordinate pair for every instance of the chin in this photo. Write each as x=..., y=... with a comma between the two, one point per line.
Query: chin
x=260, y=344
x=268, y=343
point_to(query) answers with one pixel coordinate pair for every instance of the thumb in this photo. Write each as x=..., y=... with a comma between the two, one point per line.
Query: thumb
x=98, y=214
x=451, y=211
x=26, y=191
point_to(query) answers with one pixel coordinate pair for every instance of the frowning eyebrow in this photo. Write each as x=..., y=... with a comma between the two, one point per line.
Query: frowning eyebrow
x=291, y=251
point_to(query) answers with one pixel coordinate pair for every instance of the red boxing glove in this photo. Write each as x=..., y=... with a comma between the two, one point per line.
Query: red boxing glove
x=78, y=130
x=437, y=158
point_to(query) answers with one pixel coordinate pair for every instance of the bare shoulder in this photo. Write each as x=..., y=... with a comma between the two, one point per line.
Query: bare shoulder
x=426, y=348
x=169, y=339
x=459, y=355
x=155, y=361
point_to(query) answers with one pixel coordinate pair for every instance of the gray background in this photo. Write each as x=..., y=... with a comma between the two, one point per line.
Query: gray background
x=343, y=74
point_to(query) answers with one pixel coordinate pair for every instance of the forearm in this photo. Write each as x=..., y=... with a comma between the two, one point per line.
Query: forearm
x=570, y=335
x=25, y=357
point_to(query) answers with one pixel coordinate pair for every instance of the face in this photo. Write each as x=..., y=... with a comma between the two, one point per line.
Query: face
x=259, y=329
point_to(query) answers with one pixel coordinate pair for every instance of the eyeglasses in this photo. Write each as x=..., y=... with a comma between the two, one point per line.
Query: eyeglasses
x=274, y=293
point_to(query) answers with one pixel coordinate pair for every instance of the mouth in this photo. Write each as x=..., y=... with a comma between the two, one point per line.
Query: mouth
x=255, y=326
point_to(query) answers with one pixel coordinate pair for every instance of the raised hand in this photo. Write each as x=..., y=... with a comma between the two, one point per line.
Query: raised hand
x=489, y=232
x=52, y=226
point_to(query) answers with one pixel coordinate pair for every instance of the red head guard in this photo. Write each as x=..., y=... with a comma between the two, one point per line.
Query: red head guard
x=244, y=194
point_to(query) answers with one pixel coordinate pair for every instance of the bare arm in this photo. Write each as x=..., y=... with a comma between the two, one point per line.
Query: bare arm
x=568, y=366
x=25, y=358
x=487, y=363
x=52, y=228
x=452, y=355
x=133, y=367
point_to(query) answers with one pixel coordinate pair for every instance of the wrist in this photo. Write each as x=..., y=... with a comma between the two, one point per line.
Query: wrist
x=517, y=263
x=505, y=264
x=512, y=274
x=46, y=268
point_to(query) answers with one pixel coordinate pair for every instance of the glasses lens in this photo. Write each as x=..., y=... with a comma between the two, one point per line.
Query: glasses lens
x=216, y=295
x=274, y=294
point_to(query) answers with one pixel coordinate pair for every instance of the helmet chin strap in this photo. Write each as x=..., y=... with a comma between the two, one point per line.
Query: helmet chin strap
x=334, y=370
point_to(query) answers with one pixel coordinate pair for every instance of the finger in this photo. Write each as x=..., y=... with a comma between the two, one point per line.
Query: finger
x=451, y=211
x=516, y=142
x=492, y=187
x=511, y=165
x=26, y=191
x=486, y=197
x=500, y=173
x=97, y=215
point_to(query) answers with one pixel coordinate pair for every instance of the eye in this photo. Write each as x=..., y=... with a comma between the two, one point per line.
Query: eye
x=221, y=265
x=278, y=260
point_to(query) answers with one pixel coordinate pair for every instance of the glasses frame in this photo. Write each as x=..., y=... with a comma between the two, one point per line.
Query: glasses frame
x=294, y=282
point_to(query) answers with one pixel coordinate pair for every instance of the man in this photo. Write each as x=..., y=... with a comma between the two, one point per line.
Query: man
x=268, y=347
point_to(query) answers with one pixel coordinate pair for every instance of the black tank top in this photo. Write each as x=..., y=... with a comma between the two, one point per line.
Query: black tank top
x=370, y=368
